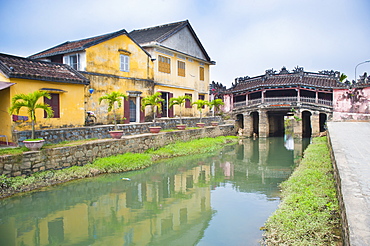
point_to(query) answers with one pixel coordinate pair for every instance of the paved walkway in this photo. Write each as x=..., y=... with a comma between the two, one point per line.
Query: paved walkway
x=351, y=146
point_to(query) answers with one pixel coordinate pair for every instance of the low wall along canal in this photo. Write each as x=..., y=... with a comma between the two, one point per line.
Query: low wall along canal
x=56, y=158
x=220, y=198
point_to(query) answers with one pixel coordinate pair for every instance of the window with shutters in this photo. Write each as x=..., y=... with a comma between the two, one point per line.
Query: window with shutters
x=124, y=63
x=181, y=68
x=201, y=73
x=54, y=104
x=164, y=64
x=73, y=61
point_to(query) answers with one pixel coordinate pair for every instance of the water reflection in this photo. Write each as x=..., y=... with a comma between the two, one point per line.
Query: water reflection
x=184, y=201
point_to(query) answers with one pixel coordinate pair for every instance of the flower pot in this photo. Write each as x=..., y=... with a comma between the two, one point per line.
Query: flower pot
x=180, y=127
x=155, y=129
x=34, y=145
x=200, y=125
x=214, y=123
x=116, y=134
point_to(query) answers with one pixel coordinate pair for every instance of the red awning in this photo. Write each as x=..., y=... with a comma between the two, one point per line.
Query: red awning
x=4, y=85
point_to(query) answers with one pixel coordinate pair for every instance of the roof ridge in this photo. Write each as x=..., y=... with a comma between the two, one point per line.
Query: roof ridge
x=160, y=26
x=94, y=40
x=172, y=31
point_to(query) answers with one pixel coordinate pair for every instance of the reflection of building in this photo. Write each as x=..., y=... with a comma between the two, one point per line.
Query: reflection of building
x=145, y=212
x=260, y=163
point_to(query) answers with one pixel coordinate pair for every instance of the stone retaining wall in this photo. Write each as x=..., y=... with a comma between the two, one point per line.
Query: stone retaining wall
x=102, y=131
x=338, y=182
x=56, y=158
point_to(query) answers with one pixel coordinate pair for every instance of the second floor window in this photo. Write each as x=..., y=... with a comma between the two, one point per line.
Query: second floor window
x=124, y=63
x=73, y=61
x=164, y=64
x=201, y=73
x=181, y=68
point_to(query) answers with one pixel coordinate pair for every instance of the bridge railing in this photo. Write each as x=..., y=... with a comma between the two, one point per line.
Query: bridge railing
x=282, y=100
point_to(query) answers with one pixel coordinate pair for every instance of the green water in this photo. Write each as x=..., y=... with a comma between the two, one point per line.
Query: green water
x=217, y=199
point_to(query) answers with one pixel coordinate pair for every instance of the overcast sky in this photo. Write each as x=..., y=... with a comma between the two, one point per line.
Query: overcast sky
x=244, y=37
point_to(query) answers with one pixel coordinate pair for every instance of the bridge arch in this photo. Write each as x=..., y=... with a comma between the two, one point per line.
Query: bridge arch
x=323, y=117
x=240, y=121
x=306, y=124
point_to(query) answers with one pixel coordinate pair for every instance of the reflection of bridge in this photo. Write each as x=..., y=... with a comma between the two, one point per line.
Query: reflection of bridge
x=261, y=103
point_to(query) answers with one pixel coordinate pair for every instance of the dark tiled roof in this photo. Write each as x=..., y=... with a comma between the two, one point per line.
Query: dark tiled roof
x=157, y=33
x=18, y=67
x=73, y=46
x=163, y=32
x=299, y=79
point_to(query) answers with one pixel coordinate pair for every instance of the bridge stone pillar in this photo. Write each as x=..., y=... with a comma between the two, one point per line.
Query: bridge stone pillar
x=297, y=124
x=315, y=123
x=248, y=125
x=263, y=124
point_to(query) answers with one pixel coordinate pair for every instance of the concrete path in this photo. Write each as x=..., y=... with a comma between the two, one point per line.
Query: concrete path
x=351, y=146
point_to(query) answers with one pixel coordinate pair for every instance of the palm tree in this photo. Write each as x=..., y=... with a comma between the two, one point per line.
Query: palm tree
x=112, y=98
x=179, y=101
x=155, y=102
x=29, y=101
x=215, y=104
x=200, y=104
x=342, y=77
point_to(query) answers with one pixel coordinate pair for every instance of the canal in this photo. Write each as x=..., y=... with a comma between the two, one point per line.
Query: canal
x=220, y=198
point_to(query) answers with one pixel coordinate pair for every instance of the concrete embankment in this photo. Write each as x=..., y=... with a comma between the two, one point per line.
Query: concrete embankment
x=350, y=143
x=55, y=158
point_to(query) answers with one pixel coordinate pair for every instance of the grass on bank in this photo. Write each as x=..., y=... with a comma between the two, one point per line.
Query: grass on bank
x=112, y=164
x=309, y=211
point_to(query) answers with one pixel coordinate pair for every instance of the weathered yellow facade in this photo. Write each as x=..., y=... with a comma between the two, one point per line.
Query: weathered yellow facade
x=70, y=94
x=103, y=71
x=181, y=66
x=111, y=62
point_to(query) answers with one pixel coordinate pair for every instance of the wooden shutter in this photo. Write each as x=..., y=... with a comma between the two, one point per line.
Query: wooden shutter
x=126, y=108
x=170, y=110
x=54, y=104
x=187, y=101
x=201, y=73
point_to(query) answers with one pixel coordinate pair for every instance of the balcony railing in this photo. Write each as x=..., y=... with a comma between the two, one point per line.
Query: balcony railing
x=282, y=100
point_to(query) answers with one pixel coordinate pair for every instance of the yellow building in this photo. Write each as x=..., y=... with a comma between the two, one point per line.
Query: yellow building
x=21, y=76
x=112, y=62
x=182, y=65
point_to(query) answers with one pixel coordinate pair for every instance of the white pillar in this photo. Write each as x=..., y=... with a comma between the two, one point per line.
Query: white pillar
x=138, y=109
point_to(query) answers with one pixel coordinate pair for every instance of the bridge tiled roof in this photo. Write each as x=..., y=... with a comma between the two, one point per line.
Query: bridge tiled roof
x=24, y=68
x=312, y=80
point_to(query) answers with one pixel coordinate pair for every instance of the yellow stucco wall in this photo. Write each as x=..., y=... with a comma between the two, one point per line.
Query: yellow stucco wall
x=104, y=61
x=179, y=85
x=71, y=105
x=105, y=58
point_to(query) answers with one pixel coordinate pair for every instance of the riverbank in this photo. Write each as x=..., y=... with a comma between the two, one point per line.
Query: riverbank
x=309, y=211
x=113, y=164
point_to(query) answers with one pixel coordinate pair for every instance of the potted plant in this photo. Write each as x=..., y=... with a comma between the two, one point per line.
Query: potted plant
x=215, y=105
x=200, y=105
x=113, y=98
x=30, y=102
x=155, y=102
x=179, y=101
